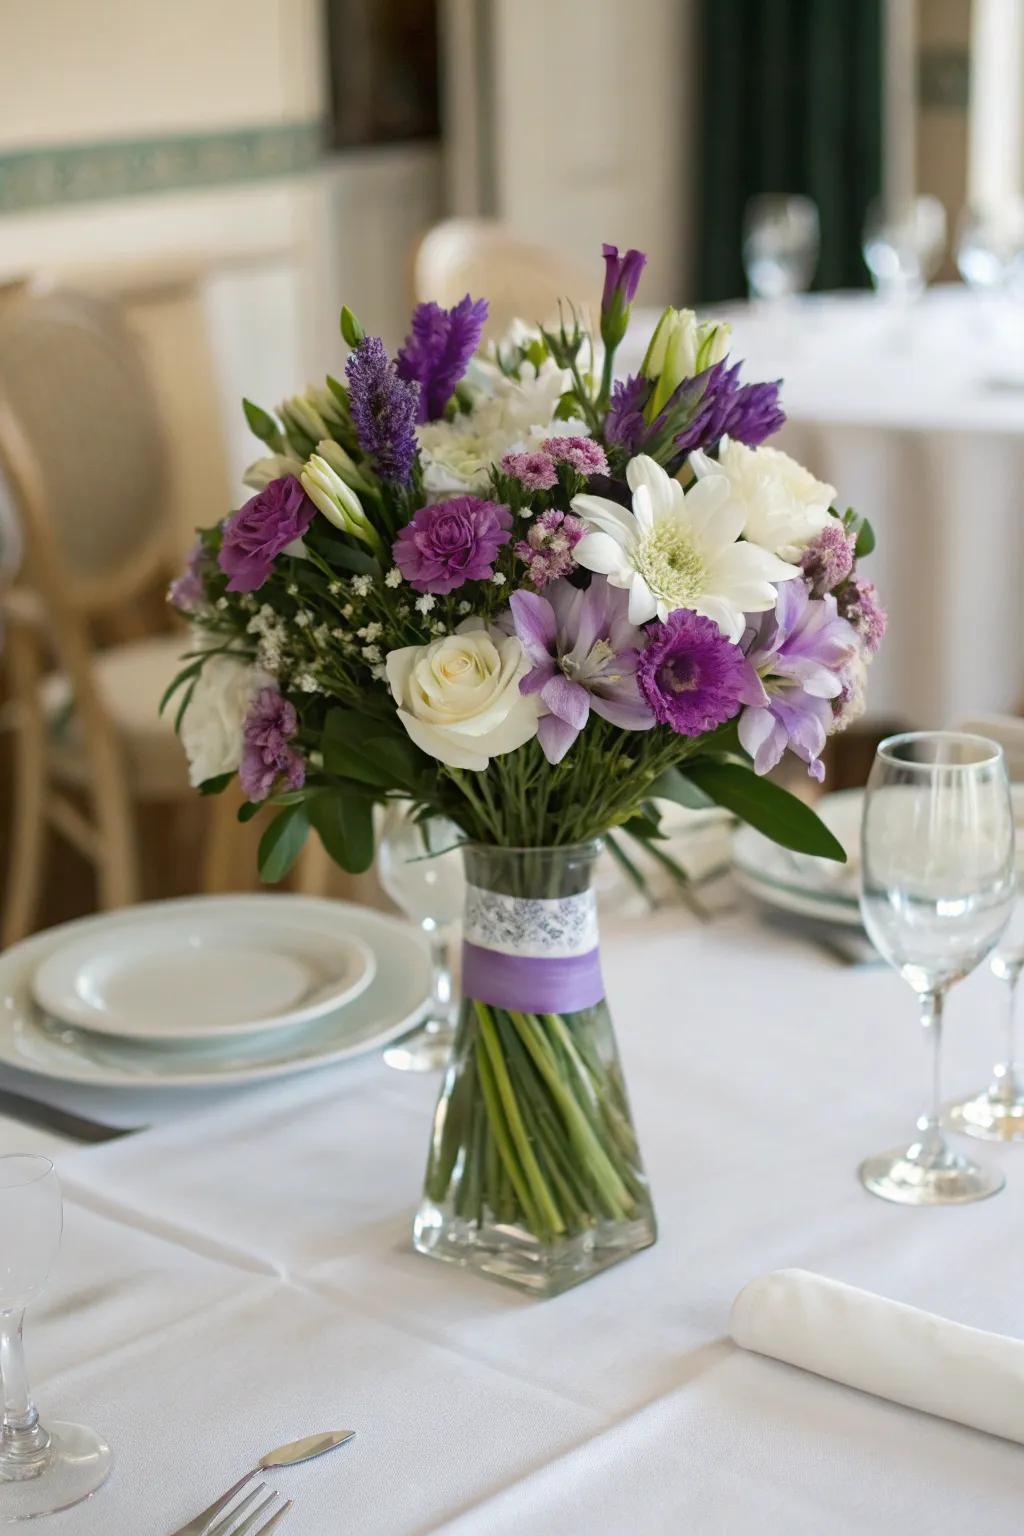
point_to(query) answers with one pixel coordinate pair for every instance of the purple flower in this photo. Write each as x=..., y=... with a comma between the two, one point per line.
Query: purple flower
x=267, y=755
x=383, y=409
x=624, y=425
x=256, y=534
x=187, y=592
x=584, y=653
x=621, y=279
x=858, y=603
x=828, y=558
x=438, y=349
x=547, y=548
x=452, y=542
x=534, y=471
x=693, y=678
x=581, y=454
x=802, y=652
x=747, y=413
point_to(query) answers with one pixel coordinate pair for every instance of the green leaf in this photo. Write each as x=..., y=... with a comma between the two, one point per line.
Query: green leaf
x=673, y=784
x=263, y=426
x=216, y=786
x=773, y=811
x=250, y=809
x=351, y=330
x=369, y=751
x=348, y=556
x=173, y=686
x=646, y=829
x=865, y=539
x=345, y=826
x=282, y=843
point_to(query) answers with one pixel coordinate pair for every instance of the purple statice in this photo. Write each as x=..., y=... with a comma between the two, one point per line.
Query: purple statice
x=858, y=603
x=851, y=700
x=581, y=454
x=547, y=548
x=535, y=471
x=256, y=534
x=584, y=654
x=693, y=678
x=723, y=407
x=621, y=279
x=452, y=542
x=828, y=558
x=624, y=425
x=267, y=753
x=801, y=652
x=384, y=410
x=438, y=349
x=187, y=592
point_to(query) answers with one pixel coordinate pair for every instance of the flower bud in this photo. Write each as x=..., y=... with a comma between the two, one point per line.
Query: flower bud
x=262, y=471
x=339, y=504
x=343, y=464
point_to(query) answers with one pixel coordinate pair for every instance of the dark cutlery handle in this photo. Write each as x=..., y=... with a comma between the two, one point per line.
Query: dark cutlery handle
x=49, y=1118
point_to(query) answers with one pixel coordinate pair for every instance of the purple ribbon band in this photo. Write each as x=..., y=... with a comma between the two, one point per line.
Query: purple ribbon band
x=531, y=985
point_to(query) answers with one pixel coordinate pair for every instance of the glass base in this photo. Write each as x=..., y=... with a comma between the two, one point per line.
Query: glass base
x=75, y=1464
x=913, y=1176
x=425, y=1050
x=514, y=1256
x=991, y=1116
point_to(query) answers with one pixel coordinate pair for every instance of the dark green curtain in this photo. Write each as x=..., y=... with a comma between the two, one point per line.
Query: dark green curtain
x=790, y=101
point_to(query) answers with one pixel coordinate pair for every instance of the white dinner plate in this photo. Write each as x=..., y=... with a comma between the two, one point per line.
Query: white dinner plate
x=394, y=1002
x=219, y=970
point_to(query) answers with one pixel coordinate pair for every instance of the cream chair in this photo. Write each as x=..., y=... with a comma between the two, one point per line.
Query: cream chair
x=1007, y=731
x=519, y=279
x=84, y=465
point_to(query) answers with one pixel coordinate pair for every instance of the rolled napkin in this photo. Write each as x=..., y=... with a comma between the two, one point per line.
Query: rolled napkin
x=886, y=1348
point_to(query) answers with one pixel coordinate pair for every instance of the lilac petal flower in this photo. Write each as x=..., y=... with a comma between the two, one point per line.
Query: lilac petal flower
x=384, y=411
x=548, y=547
x=256, y=534
x=438, y=349
x=584, y=653
x=267, y=755
x=828, y=559
x=693, y=677
x=452, y=542
x=187, y=592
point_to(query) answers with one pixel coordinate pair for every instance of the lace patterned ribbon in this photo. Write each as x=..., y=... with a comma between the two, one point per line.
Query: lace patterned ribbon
x=534, y=955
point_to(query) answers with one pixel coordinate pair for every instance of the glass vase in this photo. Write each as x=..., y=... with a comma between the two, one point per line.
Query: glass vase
x=534, y=1175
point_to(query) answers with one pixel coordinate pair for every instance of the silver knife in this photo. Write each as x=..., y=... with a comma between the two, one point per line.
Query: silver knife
x=49, y=1118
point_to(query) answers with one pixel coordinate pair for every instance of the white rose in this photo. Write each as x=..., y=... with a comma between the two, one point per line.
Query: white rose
x=211, y=728
x=785, y=506
x=459, y=697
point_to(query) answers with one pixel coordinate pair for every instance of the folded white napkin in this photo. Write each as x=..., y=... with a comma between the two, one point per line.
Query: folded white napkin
x=886, y=1348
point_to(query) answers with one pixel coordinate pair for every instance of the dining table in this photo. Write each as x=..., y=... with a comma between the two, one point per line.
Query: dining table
x=241, y=1273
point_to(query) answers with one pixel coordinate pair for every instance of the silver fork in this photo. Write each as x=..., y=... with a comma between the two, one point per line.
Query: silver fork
x=207, y=1523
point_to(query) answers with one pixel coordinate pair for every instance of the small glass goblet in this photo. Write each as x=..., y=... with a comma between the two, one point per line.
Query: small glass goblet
x=937, y=848
x=904, y=249
x=997, y=1113
x=419, y=862
x=43, y=1468
x=781, y=241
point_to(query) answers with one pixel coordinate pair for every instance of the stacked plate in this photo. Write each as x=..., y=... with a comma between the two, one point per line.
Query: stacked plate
x=208, y=991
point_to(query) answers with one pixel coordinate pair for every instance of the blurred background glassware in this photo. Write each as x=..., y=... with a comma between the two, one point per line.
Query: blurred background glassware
x=990, y=244
x=43, y=1468
x=997, y=1113
x=903, y=249
x=781, y=242
x=937, y=849
x=419, y=863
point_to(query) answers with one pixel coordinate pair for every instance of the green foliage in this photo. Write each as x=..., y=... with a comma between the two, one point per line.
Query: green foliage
x=766, y=806
x=351, y=330
x=344, y=823
x=263, y=426
x=673, y=784
x=370, y=751
x=282, y=842
x=216, y=786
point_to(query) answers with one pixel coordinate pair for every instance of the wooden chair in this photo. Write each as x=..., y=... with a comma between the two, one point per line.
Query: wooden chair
x=520, y=280
x=84, y=466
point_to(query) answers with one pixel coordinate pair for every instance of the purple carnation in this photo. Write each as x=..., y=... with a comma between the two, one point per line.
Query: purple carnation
x=624, y=425
x=384, y=409
x=693, y=678
x=437, y=350
x=547, y=548
x=828, y=558
x=452, y=542
x=581, y=453
x=256, y=534
x=534, y=471
x=859, y=605
x=187, y=592
x=267, y=755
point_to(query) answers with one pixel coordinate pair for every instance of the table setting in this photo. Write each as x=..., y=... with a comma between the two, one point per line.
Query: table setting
x=561, y=1191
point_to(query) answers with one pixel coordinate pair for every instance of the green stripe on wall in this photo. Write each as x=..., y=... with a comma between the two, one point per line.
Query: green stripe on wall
x=51, y=175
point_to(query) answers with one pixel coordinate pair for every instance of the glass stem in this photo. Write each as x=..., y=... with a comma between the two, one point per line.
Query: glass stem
x=1009, y=1088
x=23, y=1440
x=932, y=1140
x=443, y=1010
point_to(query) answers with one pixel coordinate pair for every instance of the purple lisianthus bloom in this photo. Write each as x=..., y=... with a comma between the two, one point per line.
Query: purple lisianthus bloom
x=858, y=602
x=581, y=454
x=584, y=653
x=548, y=547
x=693, y=678
x=624, y=425
x=534, y=471
x=437, y=350
x=746, y=413
x=267, y=753
x=452, y=542
x=621, y=279
x=802, y=652
x=256, y=534
x=384, y=410
x=186, y=592
x=828, y=558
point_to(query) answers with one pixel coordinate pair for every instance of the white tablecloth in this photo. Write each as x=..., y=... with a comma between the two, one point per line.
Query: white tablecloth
x=917, y=418
x=245, y=1277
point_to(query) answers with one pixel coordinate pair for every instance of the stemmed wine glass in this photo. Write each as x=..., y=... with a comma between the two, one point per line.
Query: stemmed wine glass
x=420, y=867
x=990, y=243
x=902, y=250
x=997, y=1113
x=781, y=240
x=43, y=1468
x=938, y=888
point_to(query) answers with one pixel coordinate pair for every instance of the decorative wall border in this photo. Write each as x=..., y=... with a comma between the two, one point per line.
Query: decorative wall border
x=52, y=175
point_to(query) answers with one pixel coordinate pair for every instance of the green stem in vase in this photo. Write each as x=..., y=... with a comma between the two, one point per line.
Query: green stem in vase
x=550, y=1214
x=500, y=1132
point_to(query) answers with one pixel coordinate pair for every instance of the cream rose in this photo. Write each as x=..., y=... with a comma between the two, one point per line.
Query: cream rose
x=211, y=727
x=785, y=506
x=459, y=697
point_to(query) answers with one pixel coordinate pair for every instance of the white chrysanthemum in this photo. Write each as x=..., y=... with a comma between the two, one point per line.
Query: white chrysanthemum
x=211, y=727
x=679, y=550
x=784, y=505
x=457, y=456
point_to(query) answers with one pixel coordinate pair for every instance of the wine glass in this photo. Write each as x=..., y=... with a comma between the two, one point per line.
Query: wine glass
x=904, y=248
x=990, y=242
x=781, y=240
x=419, y=862
x=43, y=1468
x=938, y=886
x=997, y=1113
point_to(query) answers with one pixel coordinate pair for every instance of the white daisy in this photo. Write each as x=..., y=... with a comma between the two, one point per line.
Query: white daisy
x=679, y=550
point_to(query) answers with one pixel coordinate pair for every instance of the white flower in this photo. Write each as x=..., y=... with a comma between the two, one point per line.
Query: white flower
x=274, y=467
x=211, y=728
x=393, y=577
x=425, y=603
x=459, y=698
x=677, y=550
x=784, y=506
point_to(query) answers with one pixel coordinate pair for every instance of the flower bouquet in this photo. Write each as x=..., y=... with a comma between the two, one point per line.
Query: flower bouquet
x=537, y=600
